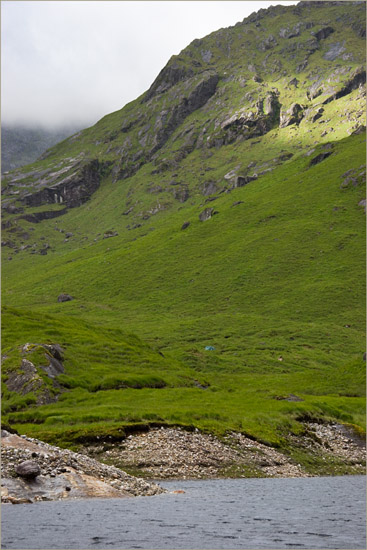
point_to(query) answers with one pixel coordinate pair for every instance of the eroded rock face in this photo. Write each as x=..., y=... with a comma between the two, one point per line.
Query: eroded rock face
x=170, y=75
x=168, y=120
x=72, y=191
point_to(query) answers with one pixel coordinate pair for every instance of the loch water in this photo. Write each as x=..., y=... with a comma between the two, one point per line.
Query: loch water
x=305, y=513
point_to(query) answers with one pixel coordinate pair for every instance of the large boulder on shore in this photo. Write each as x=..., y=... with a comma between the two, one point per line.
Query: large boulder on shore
x=28, y=469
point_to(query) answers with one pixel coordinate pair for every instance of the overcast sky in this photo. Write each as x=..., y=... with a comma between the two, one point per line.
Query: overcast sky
x=66, y=62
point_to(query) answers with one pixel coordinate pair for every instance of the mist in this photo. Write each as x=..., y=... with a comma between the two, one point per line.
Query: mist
x=71, y=63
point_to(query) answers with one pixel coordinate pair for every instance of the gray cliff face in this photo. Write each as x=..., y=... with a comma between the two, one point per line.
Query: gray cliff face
x=72, y=191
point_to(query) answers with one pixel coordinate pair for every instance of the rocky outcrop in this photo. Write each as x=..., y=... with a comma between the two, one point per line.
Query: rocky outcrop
x=206, y=214
x=38, y=362
x=37, y=217
x=168, y=120
x=34, y=471
x=181, y=193
x=248, y=124
x=73, y=190
x=170, y=75
x=319, y=158
x=358, y=78
x=323, y=33
x=293, y=115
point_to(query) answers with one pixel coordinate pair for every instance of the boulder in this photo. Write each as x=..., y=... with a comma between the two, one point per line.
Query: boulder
x=206, y=214
x=64, y=297
x=109, y=234
x=28, y=469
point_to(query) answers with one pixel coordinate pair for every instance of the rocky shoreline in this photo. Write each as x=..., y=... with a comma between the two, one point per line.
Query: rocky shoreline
x=174, y=453
x=64, y=474
x=166, y=453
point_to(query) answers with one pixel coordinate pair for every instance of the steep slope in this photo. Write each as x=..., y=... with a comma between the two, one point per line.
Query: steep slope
x=220, y=217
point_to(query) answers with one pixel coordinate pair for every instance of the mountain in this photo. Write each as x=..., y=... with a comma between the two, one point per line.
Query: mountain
x=21, y=145
x=197, y=257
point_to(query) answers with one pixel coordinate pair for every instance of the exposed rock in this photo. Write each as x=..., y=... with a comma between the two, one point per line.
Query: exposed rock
x=360, y=29
x=334, y=51
x=185, y=225
x=181, y=193
x=206, y=55
x=64, y=297
x=318, y=114
x=293, y=115
x=109, y=234
x=272, y=105
x=287, y=33
x=240, y=181
x=37, y=217
x=64, y=474
x=319, y=158
x=169, y=119
x=28, y=469
x=170, y=75
x=73, y=190
x=230, y=175
x=267, y=44
x=362, y=203
x=247, y=124
x=294, y=82
x=315, y=90
x=323, y=33
x=206, y=214
x=208, y=188
x=357, y=79
x=12, y=209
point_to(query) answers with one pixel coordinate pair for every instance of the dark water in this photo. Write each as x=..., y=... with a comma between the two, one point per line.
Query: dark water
x=323, y=513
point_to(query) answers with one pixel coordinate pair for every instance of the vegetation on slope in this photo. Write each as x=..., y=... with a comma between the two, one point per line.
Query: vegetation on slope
x=252, y=320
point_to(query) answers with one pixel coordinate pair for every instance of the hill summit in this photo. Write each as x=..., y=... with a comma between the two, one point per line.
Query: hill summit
x=197, y=257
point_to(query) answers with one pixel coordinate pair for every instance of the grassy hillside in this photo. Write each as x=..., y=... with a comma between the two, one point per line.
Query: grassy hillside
x=272, y=282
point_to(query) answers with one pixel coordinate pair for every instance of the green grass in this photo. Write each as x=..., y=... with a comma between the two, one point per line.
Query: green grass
x=279, y=298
